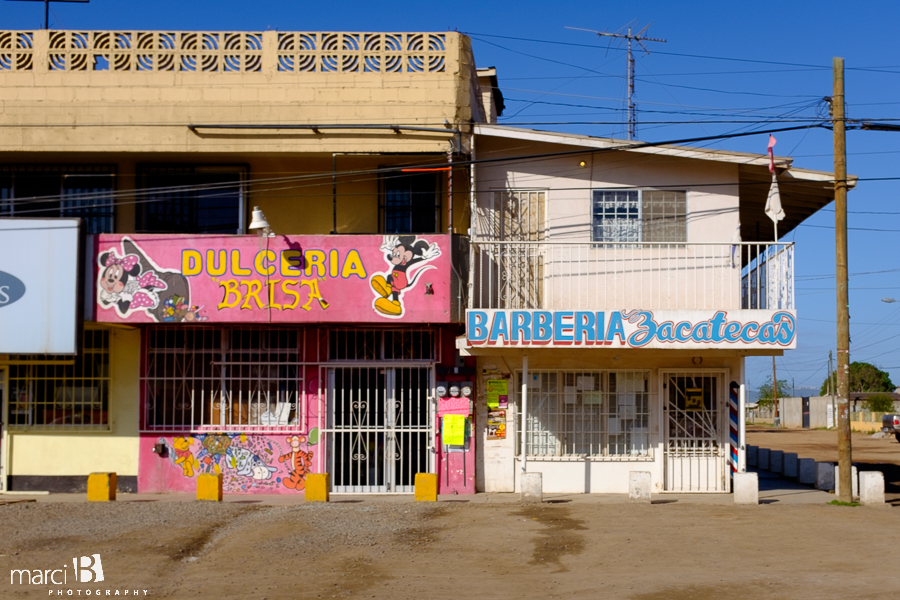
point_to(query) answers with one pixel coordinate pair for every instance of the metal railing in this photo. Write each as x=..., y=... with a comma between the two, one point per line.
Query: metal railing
x=614, y=275
x=221, y=52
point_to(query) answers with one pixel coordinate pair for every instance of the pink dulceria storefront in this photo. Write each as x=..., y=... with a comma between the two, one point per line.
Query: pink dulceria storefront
x=269, y=358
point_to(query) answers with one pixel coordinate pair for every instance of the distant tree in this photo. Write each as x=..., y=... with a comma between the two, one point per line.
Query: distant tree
x=765, y=399
x=863, y=378
x=880, y=403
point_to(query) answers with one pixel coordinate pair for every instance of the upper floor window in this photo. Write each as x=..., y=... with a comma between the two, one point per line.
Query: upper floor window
x=639, y=216
x=411, y=203
x=191, y=199
x=41, y=191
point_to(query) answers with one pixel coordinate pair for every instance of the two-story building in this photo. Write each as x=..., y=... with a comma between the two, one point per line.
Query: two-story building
x=305, y=252
x=614, y=303
x=272, y=219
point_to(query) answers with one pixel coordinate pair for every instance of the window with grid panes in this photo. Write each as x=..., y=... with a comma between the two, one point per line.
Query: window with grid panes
x=191, y=199
x=587, y=413
x=42, y=191
x=639, y=216
x=61, y=391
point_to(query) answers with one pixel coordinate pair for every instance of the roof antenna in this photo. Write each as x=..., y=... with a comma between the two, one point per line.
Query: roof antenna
x=639, y=38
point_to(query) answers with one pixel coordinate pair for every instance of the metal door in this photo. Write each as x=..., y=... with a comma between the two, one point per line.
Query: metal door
x=805, y=401
x=380, y=428
x=520, y=216
x=695, y=446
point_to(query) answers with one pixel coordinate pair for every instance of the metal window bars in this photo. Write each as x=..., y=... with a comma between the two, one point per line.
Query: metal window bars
x=587, y=414
x=579, y=275
x=62, y=392
x=225, y=379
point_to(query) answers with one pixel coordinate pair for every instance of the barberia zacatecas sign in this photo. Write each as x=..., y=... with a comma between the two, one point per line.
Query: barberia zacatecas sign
x=663, y=329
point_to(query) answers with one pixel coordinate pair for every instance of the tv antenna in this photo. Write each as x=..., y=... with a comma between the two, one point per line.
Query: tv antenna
x=47, y=7
x=630, y=37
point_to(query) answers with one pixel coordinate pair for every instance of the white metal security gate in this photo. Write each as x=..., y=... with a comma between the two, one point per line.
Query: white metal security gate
x=380, y=428
x=3, y=441
x=695, y=423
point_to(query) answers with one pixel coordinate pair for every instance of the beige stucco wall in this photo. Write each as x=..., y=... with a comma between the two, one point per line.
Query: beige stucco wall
x=498, y=467
x=61, y=453
x=149, y=111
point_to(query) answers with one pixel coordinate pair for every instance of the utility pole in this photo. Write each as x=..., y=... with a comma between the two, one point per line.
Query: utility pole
x=640, y=38
x=843, y=294
x=47, y=7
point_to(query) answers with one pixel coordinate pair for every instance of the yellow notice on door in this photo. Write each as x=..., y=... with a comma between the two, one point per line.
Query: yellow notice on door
x=453, y=430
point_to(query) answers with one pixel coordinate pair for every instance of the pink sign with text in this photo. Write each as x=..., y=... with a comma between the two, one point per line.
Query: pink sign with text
x=284, y=279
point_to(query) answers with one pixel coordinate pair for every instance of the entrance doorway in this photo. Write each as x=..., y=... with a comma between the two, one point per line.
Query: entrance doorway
x=694, y=424
x=380, y=428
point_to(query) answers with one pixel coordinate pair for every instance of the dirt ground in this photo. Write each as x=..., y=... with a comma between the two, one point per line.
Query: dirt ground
x=868, y=453
x=671, y=550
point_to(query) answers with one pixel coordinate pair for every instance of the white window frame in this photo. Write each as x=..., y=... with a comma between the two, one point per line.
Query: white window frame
x=640, y=216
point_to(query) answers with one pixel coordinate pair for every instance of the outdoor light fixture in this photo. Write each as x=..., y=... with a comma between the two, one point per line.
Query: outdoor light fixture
x=259, y=224
x=889, y=300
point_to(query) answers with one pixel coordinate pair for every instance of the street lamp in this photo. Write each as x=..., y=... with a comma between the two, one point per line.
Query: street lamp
x=889, y=300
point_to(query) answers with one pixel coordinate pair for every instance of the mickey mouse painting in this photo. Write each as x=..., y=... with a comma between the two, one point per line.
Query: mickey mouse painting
x=130, y=282
x=405, y=254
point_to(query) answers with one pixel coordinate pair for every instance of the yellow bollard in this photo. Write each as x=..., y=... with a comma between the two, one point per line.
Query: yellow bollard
x=426, y=487
x=209, y=487
x=101, y=487
x=317, y=487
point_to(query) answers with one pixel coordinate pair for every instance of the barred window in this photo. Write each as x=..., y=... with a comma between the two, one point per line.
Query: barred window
x=42, y=191
x=587, y=413
x=224, y=378
x=639, y=216
x=372, y=344
x=60, y=391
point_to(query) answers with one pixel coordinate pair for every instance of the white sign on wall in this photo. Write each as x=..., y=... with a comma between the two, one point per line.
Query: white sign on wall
x=39, y=291
x=662, y=329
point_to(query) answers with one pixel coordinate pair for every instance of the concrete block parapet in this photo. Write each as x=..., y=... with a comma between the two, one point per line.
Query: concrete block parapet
x=763, y=460
x=791, y=466
x=807, y=471
x=871, y=488
x=746, y=488
x=854, y=478
x=824, y=476
x=639, y=487
x=776, y=461
x=752, y=456
x=532, y=487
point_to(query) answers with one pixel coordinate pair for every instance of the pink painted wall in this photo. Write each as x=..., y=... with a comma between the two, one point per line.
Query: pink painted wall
x=284, y=279
x=249, y=462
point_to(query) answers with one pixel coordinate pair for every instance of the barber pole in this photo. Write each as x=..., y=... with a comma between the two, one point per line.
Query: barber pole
x=733, y=424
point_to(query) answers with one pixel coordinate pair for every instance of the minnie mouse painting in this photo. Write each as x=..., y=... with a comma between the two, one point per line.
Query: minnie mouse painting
x=128, y=281
x=403, y=253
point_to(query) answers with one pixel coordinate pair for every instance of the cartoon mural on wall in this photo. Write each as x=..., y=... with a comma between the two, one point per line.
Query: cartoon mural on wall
x=150, y=278
x=129, y=281
x=248, y=462
x=403, y=253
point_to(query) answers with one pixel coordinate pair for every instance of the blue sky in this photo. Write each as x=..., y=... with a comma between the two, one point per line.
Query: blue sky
x=542, y=80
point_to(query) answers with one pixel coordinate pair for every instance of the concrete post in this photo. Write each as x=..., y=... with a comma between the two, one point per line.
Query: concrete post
x=854, y=477
x=776, y=461
x=807, y=471
x=746, y=488
x=763, y=461
x=790, y=465
x=824, y=476
x=752, y=456
x=871, y=488
x=639, y=487
x=532, y=487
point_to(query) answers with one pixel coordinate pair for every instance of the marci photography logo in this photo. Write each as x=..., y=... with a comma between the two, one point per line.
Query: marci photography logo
x=87, y=569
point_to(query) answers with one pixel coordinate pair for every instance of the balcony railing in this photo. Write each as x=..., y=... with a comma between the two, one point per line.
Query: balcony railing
x=223, y=52
x=635, y=275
